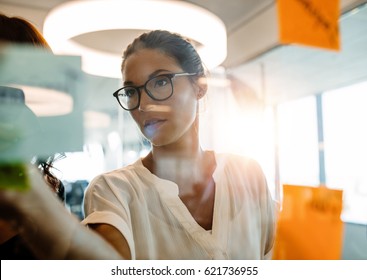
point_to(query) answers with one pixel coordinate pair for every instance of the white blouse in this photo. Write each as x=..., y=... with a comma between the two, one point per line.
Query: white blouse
x=157, y=225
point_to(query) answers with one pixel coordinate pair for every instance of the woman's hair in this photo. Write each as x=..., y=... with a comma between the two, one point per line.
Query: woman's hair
x=46, y=166
x=171, y=44
x=18, y=30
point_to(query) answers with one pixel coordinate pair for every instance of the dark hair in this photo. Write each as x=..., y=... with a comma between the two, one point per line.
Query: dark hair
x=46, y=166
x=172, y=44
x=18, y=30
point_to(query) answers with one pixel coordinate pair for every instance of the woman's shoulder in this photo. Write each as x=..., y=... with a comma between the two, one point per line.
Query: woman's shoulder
x=132, y=169
x=240, y=168
x=121, y=177
x=237, y=160
x=242, y=174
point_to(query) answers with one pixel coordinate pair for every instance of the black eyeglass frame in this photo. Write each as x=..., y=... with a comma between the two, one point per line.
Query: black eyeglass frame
x=138, y=88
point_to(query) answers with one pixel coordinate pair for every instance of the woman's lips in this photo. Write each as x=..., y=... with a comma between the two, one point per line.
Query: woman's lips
x=151, y=126
x=152, y=122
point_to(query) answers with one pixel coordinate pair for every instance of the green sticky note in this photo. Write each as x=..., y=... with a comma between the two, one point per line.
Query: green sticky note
x=13, y=176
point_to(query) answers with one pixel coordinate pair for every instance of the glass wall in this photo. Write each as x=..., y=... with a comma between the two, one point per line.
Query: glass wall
x=298, y=142
x=344, y=146
x=284, y=139
x=345, y=132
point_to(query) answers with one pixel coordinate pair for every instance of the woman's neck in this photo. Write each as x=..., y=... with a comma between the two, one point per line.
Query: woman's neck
x=179, y=159
x=186, y=147
x=183, y=168
x=159, y=157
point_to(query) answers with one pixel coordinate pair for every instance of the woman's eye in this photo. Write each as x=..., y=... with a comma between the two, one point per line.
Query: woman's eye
x=161, y=82
x=129, y=92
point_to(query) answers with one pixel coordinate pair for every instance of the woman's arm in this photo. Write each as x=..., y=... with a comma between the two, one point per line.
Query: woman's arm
x=47, y=227
x=114, y=237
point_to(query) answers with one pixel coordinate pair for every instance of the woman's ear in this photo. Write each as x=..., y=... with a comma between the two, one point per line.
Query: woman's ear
x=202, y=84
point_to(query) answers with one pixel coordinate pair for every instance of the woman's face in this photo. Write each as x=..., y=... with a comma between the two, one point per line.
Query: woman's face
x=162, y=122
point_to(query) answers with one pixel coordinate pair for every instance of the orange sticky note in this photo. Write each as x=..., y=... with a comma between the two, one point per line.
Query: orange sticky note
x=309, y=22
x=309, y=225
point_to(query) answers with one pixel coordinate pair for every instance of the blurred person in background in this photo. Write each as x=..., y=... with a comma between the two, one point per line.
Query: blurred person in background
x=16, y=30
x=34, y=224
x=20, y=31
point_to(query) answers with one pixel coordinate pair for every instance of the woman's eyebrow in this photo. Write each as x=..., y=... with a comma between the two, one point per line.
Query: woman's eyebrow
x=156, y=72
x=152, y=75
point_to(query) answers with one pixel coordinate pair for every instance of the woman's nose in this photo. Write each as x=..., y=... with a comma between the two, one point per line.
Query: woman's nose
x=145, y=101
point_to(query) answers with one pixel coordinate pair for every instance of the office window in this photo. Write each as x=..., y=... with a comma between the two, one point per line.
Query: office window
x=298, y=142
x=345, y=141
x=230, y=125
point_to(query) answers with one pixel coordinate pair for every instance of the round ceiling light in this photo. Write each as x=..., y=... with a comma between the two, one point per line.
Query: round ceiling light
x=45, y=102
x=73, y=19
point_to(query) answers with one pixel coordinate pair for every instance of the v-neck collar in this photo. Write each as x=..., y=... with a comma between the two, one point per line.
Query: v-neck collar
x=214, y=241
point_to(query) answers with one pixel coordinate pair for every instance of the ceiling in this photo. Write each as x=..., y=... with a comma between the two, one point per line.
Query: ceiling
x=274, y=72
x=290, y=71
x=233, y=12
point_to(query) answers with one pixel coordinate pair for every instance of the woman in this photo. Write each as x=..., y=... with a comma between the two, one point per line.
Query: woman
x=178, y=202
x=33, y=222
x=20, y=31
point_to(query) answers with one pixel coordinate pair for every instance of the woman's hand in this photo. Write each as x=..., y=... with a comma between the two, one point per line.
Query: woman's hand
x=47, y=227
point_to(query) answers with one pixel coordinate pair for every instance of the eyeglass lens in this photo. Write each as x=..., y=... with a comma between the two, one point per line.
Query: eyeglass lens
x=158, y=88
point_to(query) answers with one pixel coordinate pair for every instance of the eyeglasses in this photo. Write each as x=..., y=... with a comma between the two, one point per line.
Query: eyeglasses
x=158, y=88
